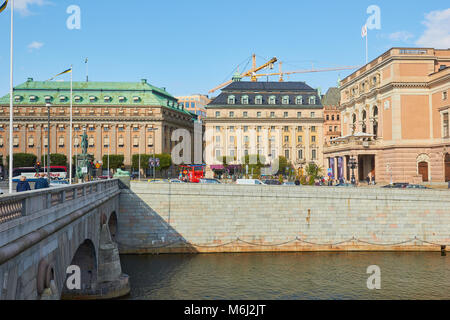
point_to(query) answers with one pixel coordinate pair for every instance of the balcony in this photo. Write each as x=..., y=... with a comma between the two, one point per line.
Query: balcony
x=357, y=141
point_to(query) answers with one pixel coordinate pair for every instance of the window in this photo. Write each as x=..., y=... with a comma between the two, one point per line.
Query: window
x=121, y=128
x=231, y=128
x=258, y=129
x=313, y=154
x=217, y=114
x=244, y=100
x=330, y=128
x=91, y=128
x=120, y=141
x=231, y=100
x=31, y=141
x=135, y=141
x=285, y=100
x=91, y=142
x=286, y=138
x=272, y=114
x=300, y=139
x=150, y=141
x=232, y=139
x=217, y=139
x=258, y=114
x=312, y=100
x=445, y=125
x=313, y=114
x=299, y=114
x=444, y=95
x=135, y=128
x=217, y=129
x=258, y=139
x=245, y=128
x=258, y=100
x=218, y=153
x=231, y=114
x=299, y=100
x=335, y=128
x=245, y=114
x=300, y=154
x=61, y=141
x=286, y=154
x=300, y=128
x=286, y=114
x=332, y=117
x=286, y=129
x=246, y=139
x=313, y=129
x=337, y=117
x=107, y=99
x=328, y=117
x=272, y=100
x=246, y=152
x=313, y=139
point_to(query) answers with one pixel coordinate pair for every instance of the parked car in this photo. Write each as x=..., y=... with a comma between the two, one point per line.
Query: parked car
x=397, y=185
x=58, y=183
x=175, y=181
x=346, y=185
x=416, y=186
x=289, y=183
x=209, y=181
x=158, y=180
x=249, y=182
x=272, y=182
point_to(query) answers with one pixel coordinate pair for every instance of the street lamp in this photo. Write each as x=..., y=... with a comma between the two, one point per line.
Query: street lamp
x=352, y=163
x=154, y=151
x=48, y=105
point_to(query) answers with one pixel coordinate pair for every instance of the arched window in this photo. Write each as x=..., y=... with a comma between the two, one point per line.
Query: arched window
x=285, y=100
x=258, y=100
x=231, y=100
x=364, y=119
x=375, y=121
x=312, y=100
x=299, y=100
x=353, y=123
x=244, y=100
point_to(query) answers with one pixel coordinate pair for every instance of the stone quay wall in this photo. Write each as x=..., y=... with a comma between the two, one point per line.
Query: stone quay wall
x=176, y=218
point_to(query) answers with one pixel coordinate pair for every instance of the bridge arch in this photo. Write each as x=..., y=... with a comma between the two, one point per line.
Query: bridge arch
x=85, y=258
x=112, y=225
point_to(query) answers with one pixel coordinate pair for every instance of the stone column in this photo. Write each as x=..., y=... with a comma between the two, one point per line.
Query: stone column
x=307, y=144
x=98, y=142
x=113, y=139
x=53, y=146
x=266, y=143
x=294, y=145
x=128, y=145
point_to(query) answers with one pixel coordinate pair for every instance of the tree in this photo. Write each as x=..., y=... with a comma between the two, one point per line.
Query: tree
x=23, y=160
x=254, y=162
x=56, y=159
x=313, y=171
x=115, y=161
x=144, y=161
x=282, y=163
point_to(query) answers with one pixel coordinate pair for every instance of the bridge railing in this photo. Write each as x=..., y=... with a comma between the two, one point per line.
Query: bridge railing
x=21, y=204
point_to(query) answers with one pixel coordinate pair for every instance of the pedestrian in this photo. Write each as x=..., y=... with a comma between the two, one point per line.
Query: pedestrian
x=41, y=183
x=23, y=185
x=373, y=180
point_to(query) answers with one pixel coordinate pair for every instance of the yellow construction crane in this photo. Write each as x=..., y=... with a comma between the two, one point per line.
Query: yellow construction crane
x=250, y=73
x=254, y=76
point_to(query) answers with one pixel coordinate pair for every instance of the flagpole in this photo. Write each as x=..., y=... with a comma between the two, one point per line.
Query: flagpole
x=70, y=130
x=11, y=105
x=367, y=46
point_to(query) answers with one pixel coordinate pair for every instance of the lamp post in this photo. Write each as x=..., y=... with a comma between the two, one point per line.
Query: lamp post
x=153, y=129
x=352, y=164
x=48, y=105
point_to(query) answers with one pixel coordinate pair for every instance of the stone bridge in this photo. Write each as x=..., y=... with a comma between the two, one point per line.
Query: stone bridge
x=44, y=232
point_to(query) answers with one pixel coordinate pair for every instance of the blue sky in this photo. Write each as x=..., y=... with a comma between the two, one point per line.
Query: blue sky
x=192, y=46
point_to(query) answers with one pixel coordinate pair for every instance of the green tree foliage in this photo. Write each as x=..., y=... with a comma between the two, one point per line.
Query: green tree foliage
x=282, y=163
x=115, y=161
x=165, y=161
x=56, y=159
x=313, y=171
x=23, y=160
x=255, y=162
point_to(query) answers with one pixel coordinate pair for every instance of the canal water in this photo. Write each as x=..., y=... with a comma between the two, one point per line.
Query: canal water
x=286, y=276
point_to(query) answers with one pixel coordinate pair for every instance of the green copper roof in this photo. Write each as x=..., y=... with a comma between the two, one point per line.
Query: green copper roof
x=92, y=93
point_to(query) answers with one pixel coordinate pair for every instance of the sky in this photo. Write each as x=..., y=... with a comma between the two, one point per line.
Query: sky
x=190, y=47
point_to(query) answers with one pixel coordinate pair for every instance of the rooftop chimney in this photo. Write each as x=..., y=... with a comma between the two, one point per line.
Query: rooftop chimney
x=30, y=80
x=144, y=81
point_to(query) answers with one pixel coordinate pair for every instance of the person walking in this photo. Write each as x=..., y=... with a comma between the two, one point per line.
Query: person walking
x=41, y=183
x=23, y=185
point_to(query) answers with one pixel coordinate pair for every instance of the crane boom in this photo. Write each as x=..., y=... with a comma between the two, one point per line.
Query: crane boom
x=251, y=72
x=307, y=71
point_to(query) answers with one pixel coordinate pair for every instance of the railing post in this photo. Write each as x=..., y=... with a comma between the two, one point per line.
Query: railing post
x=63, y=196
x=49, y=200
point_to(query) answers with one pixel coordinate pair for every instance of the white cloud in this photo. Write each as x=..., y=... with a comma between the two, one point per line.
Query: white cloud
x=437, y=33
x=35, y=45
x=22, y=5
x=403, y=36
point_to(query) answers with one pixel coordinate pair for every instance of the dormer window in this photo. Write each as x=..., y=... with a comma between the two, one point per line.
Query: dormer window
x=122, y=99
x=272, y=100
x=285, y=100
x=33, y=98
x=299, y=100
x=62, y=99
x=137, y=99
x=312, y=100
x=258, y=100
x=77, y=98
x=17, y=98
x=244, y=100
x=48, y=99
x=92, y=98
x=107, y=99
x=231, y=100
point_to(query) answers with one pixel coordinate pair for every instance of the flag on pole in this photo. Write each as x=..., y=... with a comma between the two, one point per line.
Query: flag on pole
x=364, y=31
x=3, y=6
x=66, y=71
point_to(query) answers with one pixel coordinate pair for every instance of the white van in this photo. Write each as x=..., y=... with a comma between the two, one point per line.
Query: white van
x=249, y=181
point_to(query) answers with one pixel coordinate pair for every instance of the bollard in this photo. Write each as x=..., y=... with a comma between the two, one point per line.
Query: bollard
x=443, y=253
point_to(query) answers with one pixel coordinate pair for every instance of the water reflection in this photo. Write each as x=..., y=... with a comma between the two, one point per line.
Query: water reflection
x=287, y=276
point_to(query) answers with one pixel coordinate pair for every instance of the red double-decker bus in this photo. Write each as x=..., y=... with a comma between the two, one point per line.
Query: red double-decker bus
x=192, y=173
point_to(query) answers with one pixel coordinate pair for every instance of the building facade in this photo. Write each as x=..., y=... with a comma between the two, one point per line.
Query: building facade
x=119, y=118
x=268, y=118
x=331, y=115
x=195, y=104
x=394, y=118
